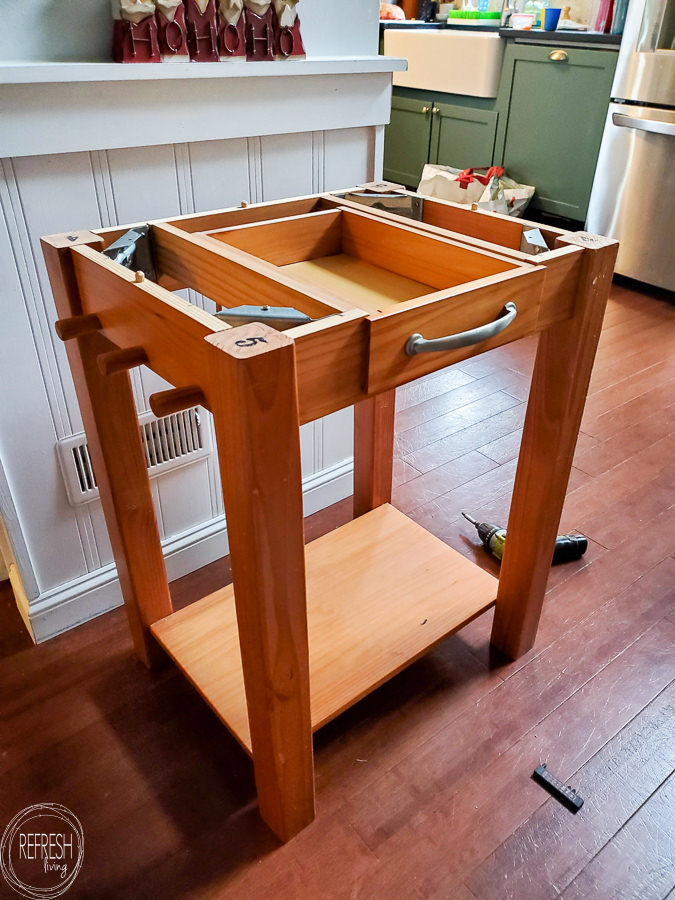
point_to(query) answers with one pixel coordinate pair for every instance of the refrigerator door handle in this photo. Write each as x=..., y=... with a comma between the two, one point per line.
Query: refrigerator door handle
x=655, y=126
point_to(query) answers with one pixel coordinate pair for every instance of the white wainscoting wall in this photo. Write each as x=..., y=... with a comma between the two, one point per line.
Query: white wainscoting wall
x=68, y=566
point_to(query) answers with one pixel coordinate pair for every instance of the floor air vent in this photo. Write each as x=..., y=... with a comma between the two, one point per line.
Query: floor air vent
x=168, y=442
x=84, y=470
x=172, y=437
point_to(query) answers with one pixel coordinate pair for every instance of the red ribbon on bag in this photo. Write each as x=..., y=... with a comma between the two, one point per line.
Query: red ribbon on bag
x=468, y=176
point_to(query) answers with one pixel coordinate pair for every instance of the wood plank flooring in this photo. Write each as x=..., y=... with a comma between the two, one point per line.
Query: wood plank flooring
x=423, y=788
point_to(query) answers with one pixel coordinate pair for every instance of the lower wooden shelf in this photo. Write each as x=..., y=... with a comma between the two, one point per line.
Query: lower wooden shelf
x=381, y=591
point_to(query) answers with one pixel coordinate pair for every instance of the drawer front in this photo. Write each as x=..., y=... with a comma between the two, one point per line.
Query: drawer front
x=460, y=309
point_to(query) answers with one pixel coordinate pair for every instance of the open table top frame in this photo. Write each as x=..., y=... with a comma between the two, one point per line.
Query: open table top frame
x=304, y=632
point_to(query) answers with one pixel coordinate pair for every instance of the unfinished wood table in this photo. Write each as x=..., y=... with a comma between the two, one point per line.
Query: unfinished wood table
x=396, y=286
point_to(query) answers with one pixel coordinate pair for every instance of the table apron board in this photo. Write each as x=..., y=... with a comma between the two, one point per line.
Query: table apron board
x=131, y=314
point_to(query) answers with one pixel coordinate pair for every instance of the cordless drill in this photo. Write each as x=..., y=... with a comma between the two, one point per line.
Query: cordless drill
x=568, y=547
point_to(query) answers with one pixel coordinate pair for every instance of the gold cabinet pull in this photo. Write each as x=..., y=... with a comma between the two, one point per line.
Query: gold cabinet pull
x=558, y=55
x=436, y=109
x=425, y=110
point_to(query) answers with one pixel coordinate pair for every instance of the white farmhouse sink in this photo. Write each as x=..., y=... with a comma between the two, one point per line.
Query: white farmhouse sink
x=456, y=62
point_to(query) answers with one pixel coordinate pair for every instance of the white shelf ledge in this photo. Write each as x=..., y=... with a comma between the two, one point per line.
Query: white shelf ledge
x=72, y=107
x=78, y=72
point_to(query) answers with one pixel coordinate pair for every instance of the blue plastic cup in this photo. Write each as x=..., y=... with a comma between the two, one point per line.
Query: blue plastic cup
x=551, y=18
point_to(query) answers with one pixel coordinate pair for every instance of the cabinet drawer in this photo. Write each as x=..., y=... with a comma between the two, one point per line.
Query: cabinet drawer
x=403, y=280
x=478, y=304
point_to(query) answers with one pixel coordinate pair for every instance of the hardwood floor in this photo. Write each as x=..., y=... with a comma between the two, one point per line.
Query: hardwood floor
x=423, y=788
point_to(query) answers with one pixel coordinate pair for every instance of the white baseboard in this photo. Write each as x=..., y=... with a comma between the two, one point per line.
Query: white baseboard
x=90, y=595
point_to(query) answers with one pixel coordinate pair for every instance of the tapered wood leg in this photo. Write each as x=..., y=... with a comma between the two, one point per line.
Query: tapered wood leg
x=562, y=371
x=253, y=397
x=111, y=426
x=373, y=451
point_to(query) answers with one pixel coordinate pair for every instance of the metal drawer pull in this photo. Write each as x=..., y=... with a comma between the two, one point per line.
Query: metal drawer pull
x=558, y=55
x=655, y=126
x=417, y=344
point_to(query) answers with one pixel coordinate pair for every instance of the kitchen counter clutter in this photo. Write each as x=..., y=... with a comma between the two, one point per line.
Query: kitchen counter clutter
x=433, y=26
x=304, y=632
x=541, y=120
x=558, y=36
x=561, y=36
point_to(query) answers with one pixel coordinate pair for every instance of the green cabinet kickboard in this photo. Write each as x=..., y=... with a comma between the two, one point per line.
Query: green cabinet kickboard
x=567, y=102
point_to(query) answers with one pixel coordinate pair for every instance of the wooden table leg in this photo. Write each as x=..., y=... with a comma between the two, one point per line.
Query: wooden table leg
x=562, y=371
x=373, y=451
x=111, y=426
x=253, y=397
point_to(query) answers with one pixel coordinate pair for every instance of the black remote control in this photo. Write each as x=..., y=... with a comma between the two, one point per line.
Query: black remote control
x=562, y=792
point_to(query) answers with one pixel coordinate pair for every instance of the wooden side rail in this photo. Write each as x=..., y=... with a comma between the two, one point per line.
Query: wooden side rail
x=144, y=315
x=230, y=276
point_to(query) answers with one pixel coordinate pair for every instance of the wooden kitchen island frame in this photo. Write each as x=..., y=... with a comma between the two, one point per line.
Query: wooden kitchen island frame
x=306, y=631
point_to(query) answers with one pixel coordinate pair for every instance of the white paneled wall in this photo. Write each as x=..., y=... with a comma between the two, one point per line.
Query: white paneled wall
x=67, y=545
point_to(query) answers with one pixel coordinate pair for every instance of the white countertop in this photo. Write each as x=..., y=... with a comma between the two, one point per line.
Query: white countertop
x=77, y=72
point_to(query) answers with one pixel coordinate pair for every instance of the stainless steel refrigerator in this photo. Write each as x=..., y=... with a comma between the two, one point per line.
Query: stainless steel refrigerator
x=633, y=196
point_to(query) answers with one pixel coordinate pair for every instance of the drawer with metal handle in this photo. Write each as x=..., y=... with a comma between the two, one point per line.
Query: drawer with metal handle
x=419, y=338
x=413, y=288
x=416, y=301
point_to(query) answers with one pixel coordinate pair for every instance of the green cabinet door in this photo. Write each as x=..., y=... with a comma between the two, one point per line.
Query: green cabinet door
x=461, y=136
x=554, y=103
x=406, y=140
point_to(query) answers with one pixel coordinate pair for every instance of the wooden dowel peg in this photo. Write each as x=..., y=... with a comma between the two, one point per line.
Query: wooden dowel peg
x=121, y=360
x=76, y=326
x=165, y=403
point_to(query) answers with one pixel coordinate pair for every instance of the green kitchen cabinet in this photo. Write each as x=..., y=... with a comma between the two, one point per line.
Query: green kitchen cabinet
x=544, y=127
x=553, y=104
x=462, y=136
x=406, y=143
x=437, y=128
